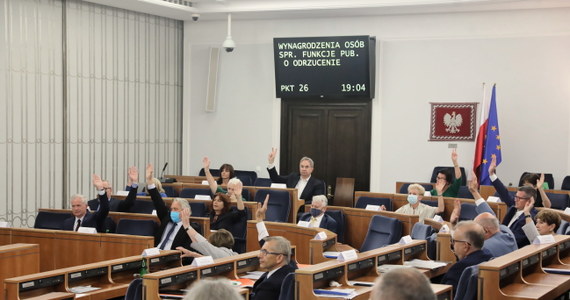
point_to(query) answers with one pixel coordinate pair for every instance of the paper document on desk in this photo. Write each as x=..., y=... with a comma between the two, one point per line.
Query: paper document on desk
x=425, y=264
x=83, y=289
x=360, y=283
x=557, y=271
x=253, y=275
x=336, y=293
x=331, y=254
x=387, y=267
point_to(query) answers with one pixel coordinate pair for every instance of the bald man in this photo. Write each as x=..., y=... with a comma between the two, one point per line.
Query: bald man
x=499, y=239
x=389, y=286
x=466, y=242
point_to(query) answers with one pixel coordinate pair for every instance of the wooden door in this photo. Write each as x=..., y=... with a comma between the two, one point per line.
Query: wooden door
x=334, y=133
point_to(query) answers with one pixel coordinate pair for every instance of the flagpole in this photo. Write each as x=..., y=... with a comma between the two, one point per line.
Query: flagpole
x=482, y=117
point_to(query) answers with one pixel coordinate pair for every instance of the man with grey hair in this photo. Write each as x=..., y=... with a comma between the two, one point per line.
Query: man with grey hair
x=317, y=216
x=499, y=239
x=402, y=284
x=466, y=242
x=274, y=257
x=212, y=289
x=82, y=217
x=306, y=185
x=171, y=233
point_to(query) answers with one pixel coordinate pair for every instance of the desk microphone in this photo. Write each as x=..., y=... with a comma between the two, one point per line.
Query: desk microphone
x=165, y=180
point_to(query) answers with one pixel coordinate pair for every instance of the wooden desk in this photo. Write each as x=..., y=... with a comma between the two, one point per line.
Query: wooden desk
x=443, y=250
x=18, y=260
x=519, y=275
x=319, y=277
x=357, y=221
x=442, y=291
x=187, y=179
x=60, y=249
x=112, y=277
x=309, y=250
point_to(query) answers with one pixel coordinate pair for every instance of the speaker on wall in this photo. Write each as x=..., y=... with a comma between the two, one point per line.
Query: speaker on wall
x=212, y=87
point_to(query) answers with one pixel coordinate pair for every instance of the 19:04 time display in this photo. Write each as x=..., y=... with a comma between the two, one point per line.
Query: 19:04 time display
x=358, y=87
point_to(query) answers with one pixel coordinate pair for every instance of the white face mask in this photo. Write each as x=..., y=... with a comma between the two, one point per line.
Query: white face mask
x=412, y=199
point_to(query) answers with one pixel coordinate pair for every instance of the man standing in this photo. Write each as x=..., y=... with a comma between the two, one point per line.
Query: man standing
x=306, y=185
x=317, y=217
x=467, y=241
x=82, y=217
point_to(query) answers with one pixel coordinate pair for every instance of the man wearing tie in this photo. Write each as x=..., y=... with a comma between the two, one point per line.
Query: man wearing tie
x=82, y=217
x=317, y=217
x=306, y=185
x=171, y=233
x=274, y=257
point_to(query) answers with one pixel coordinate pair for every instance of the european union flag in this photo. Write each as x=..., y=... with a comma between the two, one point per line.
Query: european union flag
x=492, y=141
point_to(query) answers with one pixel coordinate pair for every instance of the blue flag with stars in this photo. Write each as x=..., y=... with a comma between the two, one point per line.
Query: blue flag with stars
x=492, y=141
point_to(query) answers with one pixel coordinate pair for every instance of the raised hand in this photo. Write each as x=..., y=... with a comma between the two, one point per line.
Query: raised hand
x=493, y=165
x=185, y=217
x=149, y=173
x=206, y=163
x=97, y=182
x=472, y=184
x=454, y=156
x=528, y=206
x=271, y=157
x=262, y=209
x=540, y=181
x=456, y=212
x=133, y=175
x=439, y=185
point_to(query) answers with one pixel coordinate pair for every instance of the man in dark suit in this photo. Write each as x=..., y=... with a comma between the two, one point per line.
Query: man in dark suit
x=171, y=233
x=467, y=241
x=317, y=216
x=94, y=204
x=82, y=217
x=274, y=257
x=306, y=185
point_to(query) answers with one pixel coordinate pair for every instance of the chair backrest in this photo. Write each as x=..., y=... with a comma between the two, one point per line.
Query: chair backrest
x=468, y=211
x=421, y=231
x=559, y=201
x=279, y=204
x=192, y=192
x=262, y=182
x=142, y=207
x=404, y=188
x=170, y=191
x=464, y=193
x=214, y=172
x=198, y=209
x=548, y=178
x=439, y=168
x=343, y=192
x=563, y=227
x=467, y=285
x=137, y=227
x=382, y=231
x=134, y=291
x=566, y=184
x=288, y=287
x=430, y=202
x=50, y=220
x=362, y=202
x=109, y=226
x=338, y=216
x=243, y=175
x=239, y=231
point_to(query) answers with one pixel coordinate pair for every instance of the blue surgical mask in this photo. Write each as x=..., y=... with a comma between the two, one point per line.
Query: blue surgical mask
x=175, y=216
x=412, y=199
x=315, y=212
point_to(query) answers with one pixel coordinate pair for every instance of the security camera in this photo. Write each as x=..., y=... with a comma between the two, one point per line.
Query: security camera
x=195, y=17
x=229, y=44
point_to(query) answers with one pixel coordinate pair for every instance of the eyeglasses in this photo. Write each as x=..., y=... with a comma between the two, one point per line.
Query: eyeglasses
x=264, y=252
x=459, y=241
x=521, y=198
x=441, y=178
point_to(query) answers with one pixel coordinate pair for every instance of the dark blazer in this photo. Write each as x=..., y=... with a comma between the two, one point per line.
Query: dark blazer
x=91, y=219
x=227, y=220
x=327, y=222
x=517, y=225
x=181, y=239
x=506, y=196
x=314, y=186
x=454, y=273
x=270, y=288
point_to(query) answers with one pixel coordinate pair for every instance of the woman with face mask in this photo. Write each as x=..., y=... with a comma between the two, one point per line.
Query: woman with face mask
x=415, y=207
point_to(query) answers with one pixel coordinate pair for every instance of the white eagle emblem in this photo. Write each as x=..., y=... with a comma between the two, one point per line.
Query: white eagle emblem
x=452, y=122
